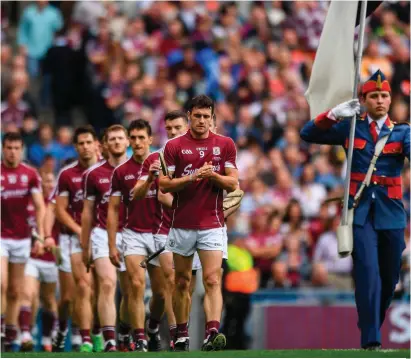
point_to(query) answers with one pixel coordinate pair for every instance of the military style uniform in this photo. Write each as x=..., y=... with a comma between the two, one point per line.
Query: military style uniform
x=379, y=218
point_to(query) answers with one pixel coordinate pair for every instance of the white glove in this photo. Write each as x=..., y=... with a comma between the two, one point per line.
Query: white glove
x=345, y=109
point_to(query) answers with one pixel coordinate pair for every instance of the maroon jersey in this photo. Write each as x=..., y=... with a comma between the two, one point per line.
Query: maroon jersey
x=162, y=216
x=199, y=205
x=69, y=184
x=17, y=185
x=97, y=189
x=139, y=213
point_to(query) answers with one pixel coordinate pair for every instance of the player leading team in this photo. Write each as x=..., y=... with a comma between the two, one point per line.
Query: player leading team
x=201, y=166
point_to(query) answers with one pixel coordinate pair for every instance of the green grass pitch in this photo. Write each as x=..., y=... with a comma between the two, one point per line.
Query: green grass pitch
x=389, y=353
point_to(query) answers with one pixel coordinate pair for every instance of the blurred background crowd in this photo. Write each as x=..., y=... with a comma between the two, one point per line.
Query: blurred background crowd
x=68, y=63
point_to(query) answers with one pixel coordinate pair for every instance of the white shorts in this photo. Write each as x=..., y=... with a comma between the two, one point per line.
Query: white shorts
x=160, y=242
x=99, y=246
x=64, y=243
x=187, y=241
x=43, y=271
x=225, y=244
x=136, y=243
x=75, y=245
x=16, y=250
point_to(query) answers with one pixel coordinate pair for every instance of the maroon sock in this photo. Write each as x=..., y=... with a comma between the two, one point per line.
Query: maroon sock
x=109, y=333
x=48, y=319
x=139, y=334
x=173, y=331
x=212, y=325
x=11, y=333
x=182, y=330
x=85, y=336
x=63, y=326
x=25, y=319
x=153, y=325
x=3, y=326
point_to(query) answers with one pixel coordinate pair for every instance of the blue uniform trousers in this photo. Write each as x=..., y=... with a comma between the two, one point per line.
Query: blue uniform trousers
x=377, y=263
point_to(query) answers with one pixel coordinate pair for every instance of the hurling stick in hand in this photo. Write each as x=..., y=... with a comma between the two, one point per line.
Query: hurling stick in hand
x=144, y=263
x=162, y=163
x=56, y=251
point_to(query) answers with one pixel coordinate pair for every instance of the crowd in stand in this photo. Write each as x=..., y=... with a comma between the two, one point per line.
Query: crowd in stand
x=119, y=61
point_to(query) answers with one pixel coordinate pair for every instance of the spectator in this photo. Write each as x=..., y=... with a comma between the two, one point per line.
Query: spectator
x=173, y=40
x=283, y=189
x=65, y=140
x=29, y=130
x=59, y=65
x=310, y=194
x=37, y=26
x=259, y=195
x=401, y=78
x=98, y=54
x=114, y=96
x=14, y=109
x=372, y=61
x=317, y=225
x=293, y=266
x=264, y=242
x=135, y=40
x=189, y=64
x=45, y=145
x=328, y=268
x=325, y=174
x=6, y=59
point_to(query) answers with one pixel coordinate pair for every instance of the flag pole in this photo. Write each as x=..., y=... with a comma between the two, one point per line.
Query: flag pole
x=363, y=15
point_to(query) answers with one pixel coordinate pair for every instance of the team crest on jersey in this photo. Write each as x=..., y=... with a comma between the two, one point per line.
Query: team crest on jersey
x=12, y=179
x=216, y=151
x=24, y=178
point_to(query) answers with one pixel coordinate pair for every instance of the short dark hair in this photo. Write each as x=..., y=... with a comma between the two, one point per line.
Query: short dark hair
x=140, y=124
x=11, y=137
x=170, y=116
x=201, y=101
x=83, y=130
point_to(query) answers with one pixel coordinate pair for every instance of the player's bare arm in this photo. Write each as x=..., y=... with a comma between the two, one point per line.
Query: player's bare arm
x=112, y=227
x=142, y=187
x=49, y=219
x=166, y=199
x=62, y=203
x=170, y=184
x=40, y=206
x=228, y=182
x=87, y=216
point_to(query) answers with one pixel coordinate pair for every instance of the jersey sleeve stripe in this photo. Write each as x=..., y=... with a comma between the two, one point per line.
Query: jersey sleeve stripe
x=55, y=191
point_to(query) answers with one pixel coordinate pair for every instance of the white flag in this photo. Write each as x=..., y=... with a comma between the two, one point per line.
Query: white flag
x=332, y=76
